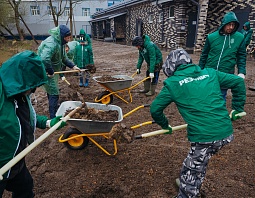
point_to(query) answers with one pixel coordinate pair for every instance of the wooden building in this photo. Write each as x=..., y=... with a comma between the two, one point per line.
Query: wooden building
x=170, y=23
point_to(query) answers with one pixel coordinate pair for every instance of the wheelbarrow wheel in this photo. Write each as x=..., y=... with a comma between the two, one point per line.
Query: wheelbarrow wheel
x=106, y=100
x=77, y=143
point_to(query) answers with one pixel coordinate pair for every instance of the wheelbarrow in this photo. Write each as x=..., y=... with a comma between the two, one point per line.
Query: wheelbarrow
x=123, y=84
x=82, y=131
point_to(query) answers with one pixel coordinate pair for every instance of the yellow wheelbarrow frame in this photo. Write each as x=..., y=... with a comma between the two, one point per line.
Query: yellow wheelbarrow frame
x=107, y=97
x=76, y=139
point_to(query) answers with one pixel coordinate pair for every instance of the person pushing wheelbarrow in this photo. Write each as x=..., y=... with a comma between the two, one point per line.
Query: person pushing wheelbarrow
x=198, y=98
x=149, y=52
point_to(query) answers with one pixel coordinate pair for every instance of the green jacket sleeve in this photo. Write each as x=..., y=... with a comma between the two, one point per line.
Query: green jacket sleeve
x=46, y=55
x=157, y=107
x=248, y=37
x=152, y=56
x=89, y=40
x=91, y=56
x=204, y=54
x=140, y=60
x=241, y=58
x=41, y=121
x=75, y=55
x=237, y=86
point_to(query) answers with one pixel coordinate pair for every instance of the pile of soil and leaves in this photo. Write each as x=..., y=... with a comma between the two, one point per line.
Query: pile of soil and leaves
x=106, y=78
x=146, y=167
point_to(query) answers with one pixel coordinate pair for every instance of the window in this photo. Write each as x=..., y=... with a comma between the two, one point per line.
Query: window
x=54, y=10
x=150, y=18
x=67, y=11
x=160, y=17
x=99, y=9
x=171, y=12
x=35, y=10
x=85, y=11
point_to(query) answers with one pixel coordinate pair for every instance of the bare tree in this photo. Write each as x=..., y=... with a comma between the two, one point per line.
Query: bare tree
x=61, y=9
x=15, y=6
x=58, y=11
x=6, y=18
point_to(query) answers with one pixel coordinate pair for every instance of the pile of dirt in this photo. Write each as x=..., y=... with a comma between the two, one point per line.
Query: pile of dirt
x=106, y=78
x=91, y=68
x=95, y=114
x=121, y=133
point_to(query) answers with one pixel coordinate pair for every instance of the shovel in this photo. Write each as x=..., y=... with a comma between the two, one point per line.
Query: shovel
x=162, y=131
x=23, y=153
x=69, y=71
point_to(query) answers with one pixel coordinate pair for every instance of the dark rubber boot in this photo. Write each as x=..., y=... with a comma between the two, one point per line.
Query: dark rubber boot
x=146, y=87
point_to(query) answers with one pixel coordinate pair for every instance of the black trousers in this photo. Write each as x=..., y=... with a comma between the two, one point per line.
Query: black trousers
x=21, y=185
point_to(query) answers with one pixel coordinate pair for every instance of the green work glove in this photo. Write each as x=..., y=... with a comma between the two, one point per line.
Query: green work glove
x=170, y=130
x=233, y=115
x=53, y=121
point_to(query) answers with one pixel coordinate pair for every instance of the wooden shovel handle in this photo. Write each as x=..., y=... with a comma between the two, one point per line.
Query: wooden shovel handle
x=23, y=153
x=69, y=71
x=162, y=131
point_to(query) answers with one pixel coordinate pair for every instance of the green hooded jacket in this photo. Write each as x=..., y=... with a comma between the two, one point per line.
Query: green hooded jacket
x=22, y=72
x=223, y=51
x=83, y=56
x=151, y=54
x=198, y=98
x=247, y=33
x=53, y=55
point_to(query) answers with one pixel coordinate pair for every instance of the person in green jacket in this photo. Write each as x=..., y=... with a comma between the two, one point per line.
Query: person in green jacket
x=224, y=49
x=19, y=77
x=247, y=32
x=83, y=57
x=197, y=95
x=149, y=52
x=52, y=53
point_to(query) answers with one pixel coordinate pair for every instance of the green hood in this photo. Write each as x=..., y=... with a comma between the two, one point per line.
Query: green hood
x=82, y=32
x=22, y=72
x=247, y=25
x=55, y=32
x=229, y=17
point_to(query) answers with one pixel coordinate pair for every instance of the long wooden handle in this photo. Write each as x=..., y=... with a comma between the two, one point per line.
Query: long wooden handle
x=23, y=153
x=162, y=131
x=70, y=71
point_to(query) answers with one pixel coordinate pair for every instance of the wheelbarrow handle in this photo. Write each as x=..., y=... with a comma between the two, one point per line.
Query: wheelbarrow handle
x=143, y=124
x=162, y=131
x=23, y=153
x=135, y=109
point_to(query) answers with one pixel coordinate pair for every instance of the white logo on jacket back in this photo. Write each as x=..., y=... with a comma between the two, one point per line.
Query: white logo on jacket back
x=190, y=79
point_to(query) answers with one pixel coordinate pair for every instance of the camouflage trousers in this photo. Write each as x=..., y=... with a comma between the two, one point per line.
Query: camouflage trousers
x=194, y=166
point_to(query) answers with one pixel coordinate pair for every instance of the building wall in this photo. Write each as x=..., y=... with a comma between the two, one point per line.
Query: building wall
x=141, y=12
x=171, y=33
x=39, y=25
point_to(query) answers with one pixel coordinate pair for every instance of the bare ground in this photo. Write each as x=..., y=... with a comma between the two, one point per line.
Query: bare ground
x=143, y=168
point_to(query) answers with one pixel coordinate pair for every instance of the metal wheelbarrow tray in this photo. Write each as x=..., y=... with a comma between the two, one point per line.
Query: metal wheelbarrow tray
x=78, y=137
x=90, y=126
x=124, y=82
x=115, y=87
